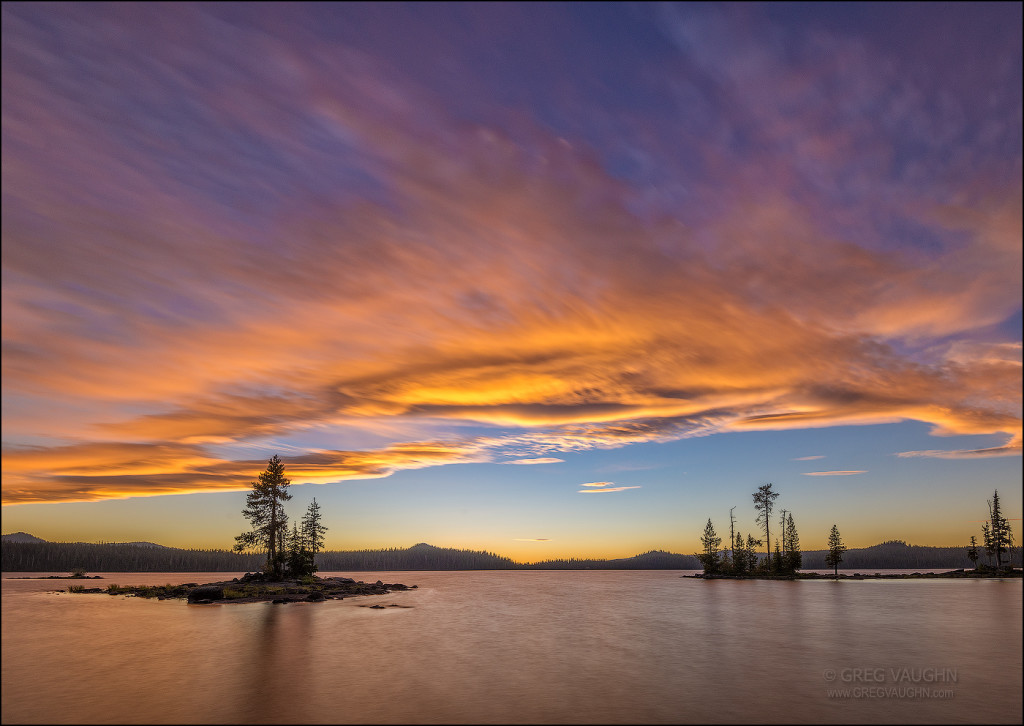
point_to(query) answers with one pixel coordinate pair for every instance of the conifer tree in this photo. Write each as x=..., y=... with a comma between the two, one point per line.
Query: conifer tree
x=739, y=555
x=312, y=530
x=751, y=552
x=836, y=548
x=987, y=542
x=999, y=529
x=709, y=545
x=777, y=558
x=794, y=559
x=764, y=499
x=972, y=552
x=264, y=508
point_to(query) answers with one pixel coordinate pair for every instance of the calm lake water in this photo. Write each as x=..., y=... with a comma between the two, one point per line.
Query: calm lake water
x=516, y=647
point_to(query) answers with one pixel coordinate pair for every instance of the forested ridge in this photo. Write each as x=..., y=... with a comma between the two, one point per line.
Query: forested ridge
x=142, y=557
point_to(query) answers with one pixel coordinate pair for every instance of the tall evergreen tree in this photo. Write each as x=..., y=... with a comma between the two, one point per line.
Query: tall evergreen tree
x=709, y=543
x=794, y=559
x=999, y=528
x=312, y=530
x=836, y=548
x=764, y=500
x=264, y=508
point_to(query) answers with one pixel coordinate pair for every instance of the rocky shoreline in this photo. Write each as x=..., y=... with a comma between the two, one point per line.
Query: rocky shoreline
x=952, y=574
x=254, y=587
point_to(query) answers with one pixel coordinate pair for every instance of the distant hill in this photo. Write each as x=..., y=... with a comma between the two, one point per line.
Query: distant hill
x=25, y=537
x=20, y=537
x=420, y=556
x=22, y=552
x=653, y=560
x=897, y=554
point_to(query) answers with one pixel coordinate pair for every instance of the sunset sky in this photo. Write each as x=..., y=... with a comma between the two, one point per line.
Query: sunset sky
x=542, y=279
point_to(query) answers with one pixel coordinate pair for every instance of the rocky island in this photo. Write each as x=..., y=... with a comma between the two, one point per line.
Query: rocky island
x=254, y=587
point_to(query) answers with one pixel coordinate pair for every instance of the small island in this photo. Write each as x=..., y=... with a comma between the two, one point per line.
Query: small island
x=952, y=574
x=74, y=576
x=254, y=587
x=740, y=560
x=288, y=573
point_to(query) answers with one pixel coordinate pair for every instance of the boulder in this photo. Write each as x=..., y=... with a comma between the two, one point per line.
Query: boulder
x=315, y=596
x=205, y=592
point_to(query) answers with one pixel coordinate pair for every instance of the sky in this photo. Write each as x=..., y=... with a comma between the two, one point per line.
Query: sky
x=548, y=280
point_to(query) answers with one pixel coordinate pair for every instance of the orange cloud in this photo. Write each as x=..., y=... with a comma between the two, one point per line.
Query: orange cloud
x=104, y=471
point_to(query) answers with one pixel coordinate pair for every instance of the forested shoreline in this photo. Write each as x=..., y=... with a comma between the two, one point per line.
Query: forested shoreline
x=69, y=556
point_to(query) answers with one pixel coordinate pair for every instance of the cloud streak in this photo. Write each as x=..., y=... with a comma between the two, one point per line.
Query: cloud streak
x=1011, y=448
x=538, y=460
x=606, y=489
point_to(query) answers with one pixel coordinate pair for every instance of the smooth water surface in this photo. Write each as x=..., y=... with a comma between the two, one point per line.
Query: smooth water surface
x=520, y=646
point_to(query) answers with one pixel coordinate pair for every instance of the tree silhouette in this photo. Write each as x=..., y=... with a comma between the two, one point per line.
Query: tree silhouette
x=299, y=558
x=972, y=551
x=709, y=542
x=264, y=508
x=312, y=530
x=764, y=499
x=999, y=530
x=739, y=555
x=750, y=550
x=988, y=542
x=836, y=548
x=793, y=560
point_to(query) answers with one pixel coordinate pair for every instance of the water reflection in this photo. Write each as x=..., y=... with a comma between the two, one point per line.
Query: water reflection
x=498, y=647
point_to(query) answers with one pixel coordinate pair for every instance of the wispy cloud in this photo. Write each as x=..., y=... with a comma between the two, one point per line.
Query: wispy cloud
x=540, y=460
x=533, y=539
x=807, y=458
x=1010, y=448
x=598, y=487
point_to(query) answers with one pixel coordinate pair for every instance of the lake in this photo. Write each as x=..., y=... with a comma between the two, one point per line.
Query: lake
x=520, y=647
